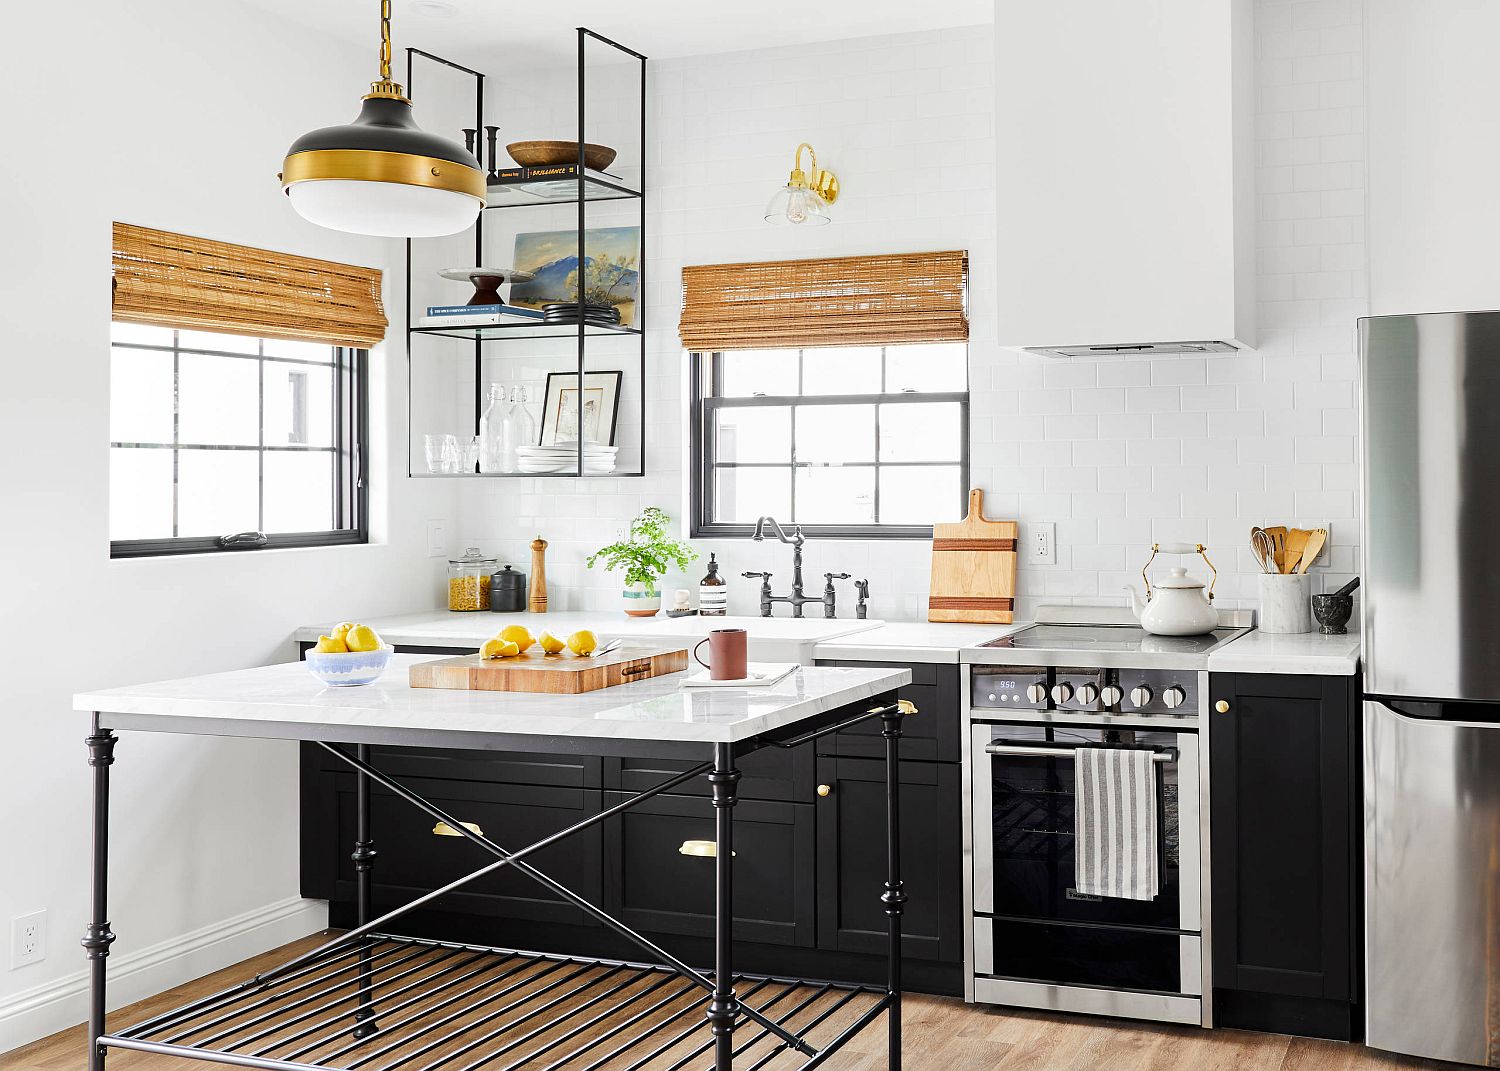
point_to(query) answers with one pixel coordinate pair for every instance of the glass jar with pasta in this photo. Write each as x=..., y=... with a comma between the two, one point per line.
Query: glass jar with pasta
x=469, y=580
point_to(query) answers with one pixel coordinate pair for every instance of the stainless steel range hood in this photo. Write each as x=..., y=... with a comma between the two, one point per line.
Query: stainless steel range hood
x=1134, y=349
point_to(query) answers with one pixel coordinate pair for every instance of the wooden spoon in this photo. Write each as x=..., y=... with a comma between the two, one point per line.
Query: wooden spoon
x=1315, y=540
x=1296, y=543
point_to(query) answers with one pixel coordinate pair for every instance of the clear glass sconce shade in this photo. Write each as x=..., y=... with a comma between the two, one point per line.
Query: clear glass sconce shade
x=797, y=206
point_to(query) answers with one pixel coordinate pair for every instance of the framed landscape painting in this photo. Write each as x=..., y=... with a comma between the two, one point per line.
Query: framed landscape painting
x=610, y=275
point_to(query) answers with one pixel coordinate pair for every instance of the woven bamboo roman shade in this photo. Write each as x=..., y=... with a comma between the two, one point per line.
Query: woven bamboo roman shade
x=838, y=301
x=173, y=280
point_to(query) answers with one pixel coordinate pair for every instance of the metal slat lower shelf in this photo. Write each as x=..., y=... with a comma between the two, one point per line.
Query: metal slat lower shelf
x=388, y=1003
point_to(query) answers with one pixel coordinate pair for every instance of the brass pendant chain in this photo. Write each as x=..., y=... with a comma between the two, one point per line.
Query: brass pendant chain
x=385, y=40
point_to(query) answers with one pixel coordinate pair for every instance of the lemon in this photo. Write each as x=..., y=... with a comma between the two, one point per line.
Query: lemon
x=342, y=629
x=516, y=634
x=362, y=638
x=491, y=649
x=550, y=643
x=331, y=645
x=583, y=642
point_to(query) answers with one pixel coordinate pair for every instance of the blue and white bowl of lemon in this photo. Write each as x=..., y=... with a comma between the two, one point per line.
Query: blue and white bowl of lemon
x=352, y=654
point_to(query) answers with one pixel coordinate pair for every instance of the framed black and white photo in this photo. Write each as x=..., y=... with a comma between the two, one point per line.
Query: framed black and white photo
x=601, y=408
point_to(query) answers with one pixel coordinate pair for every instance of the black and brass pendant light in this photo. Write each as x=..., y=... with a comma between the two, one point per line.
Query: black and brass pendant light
x=382, y=174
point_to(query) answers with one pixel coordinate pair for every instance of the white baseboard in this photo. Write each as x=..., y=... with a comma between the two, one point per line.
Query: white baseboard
x=134, y=975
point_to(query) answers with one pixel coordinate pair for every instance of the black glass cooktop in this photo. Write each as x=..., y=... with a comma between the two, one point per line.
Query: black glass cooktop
x=1126, y=639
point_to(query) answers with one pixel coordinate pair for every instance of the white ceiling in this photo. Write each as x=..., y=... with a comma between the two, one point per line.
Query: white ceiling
x=540, y=32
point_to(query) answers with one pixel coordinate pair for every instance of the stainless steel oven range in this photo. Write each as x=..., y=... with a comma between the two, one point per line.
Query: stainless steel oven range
x=1086, y=677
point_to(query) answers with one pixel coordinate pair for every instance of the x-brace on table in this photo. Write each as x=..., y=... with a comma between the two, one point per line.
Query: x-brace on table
x=370, y=999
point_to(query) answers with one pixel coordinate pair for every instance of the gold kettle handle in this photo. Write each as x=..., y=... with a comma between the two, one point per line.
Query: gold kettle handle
x=1180, y=548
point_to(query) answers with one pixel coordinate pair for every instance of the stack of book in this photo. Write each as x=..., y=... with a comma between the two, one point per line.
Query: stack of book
x=477, y=315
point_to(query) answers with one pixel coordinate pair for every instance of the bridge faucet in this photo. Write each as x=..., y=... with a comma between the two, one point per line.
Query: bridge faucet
x=796, y=600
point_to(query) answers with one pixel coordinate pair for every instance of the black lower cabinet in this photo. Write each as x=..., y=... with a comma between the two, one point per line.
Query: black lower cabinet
x=1284, y=756
x=809, y=869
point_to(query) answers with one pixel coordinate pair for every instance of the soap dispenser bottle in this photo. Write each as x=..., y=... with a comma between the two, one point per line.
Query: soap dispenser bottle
x=713, y=592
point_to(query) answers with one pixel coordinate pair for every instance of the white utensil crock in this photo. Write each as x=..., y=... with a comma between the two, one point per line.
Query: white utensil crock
x=1285, y=603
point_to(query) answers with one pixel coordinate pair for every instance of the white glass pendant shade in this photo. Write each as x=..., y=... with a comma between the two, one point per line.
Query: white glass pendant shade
x=383, y=209
x=797, y=206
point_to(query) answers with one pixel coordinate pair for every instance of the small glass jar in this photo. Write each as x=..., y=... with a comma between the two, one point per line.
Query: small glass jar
x=469, y=581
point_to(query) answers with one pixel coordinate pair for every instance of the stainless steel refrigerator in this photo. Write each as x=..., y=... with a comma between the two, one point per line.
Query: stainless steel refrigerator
x=1430, y=400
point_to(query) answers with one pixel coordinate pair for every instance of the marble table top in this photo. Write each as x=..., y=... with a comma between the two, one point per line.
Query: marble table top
x=287, y=701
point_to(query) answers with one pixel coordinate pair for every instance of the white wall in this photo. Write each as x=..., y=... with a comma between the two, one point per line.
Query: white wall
x=1118, y=453
x=1434, y=217
x=172, y=114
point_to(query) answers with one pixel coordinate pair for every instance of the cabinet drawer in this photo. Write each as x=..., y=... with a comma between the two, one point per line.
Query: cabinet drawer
x=773, y=773
x=932, y=734
x=412, y=860
x=656, y=888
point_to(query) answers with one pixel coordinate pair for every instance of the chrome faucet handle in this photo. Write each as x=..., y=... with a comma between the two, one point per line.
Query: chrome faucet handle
x=752, y=576
x=836, y=576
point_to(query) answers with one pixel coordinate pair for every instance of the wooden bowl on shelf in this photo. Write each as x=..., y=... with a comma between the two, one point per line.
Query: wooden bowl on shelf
x=554, y=153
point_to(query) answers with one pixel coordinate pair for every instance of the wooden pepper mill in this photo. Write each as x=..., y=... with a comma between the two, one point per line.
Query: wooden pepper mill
x=536, y=596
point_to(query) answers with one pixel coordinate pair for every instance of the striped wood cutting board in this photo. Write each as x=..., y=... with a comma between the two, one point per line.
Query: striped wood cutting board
x=973, y=568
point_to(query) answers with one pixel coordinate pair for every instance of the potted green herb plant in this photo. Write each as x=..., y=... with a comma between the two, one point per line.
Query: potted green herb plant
x=645, y=552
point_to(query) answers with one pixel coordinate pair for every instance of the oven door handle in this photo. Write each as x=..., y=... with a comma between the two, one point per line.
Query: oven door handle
x=1164, y=755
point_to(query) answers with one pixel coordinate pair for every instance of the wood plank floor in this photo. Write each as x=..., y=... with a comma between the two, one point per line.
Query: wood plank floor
x=942, y=1034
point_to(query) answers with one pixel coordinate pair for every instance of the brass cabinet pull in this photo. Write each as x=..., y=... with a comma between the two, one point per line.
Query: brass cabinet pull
x=443, y=829
x=1222, y=706
x=825, y=790
x=703, y=849
x=907, y=707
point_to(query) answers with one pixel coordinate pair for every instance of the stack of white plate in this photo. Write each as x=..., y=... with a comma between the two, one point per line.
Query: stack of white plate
x=563, y=457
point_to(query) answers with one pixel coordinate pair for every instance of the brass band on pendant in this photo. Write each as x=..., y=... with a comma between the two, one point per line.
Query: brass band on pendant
x=369, y=165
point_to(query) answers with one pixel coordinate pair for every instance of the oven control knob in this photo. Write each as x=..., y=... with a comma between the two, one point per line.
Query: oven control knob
x=1173, y=697
x=1061, y=693
x=1111, y=695
x=1087, y=694
x=1037, y=693
x=1140, y=696
x=992, y=697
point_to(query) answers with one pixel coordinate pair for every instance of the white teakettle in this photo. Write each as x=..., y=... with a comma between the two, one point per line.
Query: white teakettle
x=1178, y=605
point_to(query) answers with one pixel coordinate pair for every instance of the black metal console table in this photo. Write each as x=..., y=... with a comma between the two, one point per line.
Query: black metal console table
x=371, y=999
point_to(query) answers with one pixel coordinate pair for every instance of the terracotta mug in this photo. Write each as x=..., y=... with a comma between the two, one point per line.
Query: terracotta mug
x=728, y=654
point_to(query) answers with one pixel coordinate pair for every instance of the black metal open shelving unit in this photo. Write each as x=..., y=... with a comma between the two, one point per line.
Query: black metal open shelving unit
x=587, y=187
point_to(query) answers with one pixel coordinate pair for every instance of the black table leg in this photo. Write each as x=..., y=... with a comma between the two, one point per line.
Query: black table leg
x=97, y=938
x=894, y=897
x=364, y=859
x=724, y=1007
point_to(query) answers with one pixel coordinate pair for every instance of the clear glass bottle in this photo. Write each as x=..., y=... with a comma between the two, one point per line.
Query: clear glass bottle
x=519, y=429
x=491, y=432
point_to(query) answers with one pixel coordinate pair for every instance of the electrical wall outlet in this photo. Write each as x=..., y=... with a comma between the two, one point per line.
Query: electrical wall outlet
x=1040, y=540
x=28, y=939
x=437, y=539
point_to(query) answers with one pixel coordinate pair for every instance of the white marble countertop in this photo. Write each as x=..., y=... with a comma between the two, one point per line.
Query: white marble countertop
x=772, y=639
x=1307, y=652
x=287, y=701
x=913, y=641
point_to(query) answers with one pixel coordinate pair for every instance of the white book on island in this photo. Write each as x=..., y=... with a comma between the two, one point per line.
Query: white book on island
x=762, y=674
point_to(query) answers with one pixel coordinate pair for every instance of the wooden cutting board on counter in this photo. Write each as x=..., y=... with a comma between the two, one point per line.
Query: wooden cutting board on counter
x=563, y=674
x=973, y=568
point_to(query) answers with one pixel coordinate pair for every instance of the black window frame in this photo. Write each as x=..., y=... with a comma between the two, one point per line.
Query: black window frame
x=351, y=485
x=706, y=371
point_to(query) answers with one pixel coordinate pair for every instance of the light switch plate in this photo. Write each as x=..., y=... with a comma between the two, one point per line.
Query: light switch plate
x=1040, y=540
x=437, y=539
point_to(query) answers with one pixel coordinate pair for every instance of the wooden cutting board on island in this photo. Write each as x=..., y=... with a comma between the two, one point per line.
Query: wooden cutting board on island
x=973, y=568
x=560, y=674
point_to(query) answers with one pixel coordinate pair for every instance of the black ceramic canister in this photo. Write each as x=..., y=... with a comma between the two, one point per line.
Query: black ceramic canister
x=508, y=591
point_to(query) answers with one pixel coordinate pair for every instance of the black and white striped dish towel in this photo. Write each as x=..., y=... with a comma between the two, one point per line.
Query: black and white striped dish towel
x=1115, y=844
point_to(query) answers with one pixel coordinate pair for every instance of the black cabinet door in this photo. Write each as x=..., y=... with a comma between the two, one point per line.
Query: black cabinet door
x=852, y=858
x=1284, y=776
x=654, y=886
x=931, y=735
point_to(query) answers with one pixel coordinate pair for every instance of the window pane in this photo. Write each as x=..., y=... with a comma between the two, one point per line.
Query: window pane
x=921, y=432
x=299, y=491
x=742, y=495
x=746, y=373
x=140, y=396
x=927, y=367
x=301, y=351
x=835, y=496
x=218, y=400
x=142, y=334
x=844, y=370
x=298, y=405
x=920, y=494
x=760, y=433
x=140, y=494
x=211, y=340
x=218, y=492
x=838, y=434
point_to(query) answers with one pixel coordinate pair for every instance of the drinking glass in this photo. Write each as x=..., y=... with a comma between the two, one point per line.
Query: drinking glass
x=442, y=452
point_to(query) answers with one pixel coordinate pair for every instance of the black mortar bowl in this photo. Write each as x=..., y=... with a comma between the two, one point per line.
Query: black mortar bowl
x=1332, y=612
